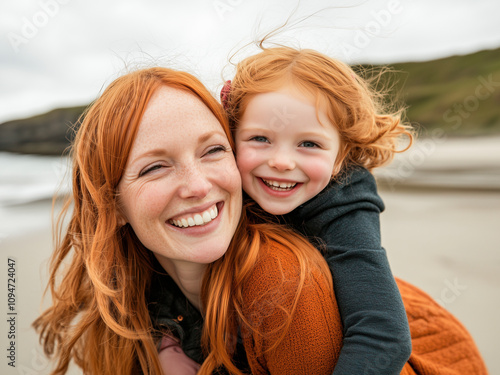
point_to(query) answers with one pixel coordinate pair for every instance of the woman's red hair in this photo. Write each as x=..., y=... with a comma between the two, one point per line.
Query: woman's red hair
x=100, y=272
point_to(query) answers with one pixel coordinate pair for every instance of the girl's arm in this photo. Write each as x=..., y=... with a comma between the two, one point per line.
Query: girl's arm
x=345, y=217
x=312, y=342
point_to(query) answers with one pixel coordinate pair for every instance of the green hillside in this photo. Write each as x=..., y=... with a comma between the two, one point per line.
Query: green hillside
x=459, y=95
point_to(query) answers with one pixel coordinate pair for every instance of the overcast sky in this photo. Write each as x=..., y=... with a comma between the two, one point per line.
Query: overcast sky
x=62, y=52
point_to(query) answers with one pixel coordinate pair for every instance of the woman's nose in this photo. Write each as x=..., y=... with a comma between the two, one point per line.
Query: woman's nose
x=195, y=183
x=282, y=161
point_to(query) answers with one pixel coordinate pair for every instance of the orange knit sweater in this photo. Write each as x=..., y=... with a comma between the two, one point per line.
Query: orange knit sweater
x=441, y=345
x=311, y=344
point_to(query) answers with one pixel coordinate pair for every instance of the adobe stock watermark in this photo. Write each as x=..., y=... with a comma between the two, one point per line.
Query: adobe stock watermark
x=221, y=7
x=471, y=103
x=385, y=359
x=450, y=292
x=380, y=20
x=417, y=156
x=39, y=365
x=62, y=173
x=278, y=123
x=32, y=25
x=281, y=119
x=455, y=116
x=262, y=309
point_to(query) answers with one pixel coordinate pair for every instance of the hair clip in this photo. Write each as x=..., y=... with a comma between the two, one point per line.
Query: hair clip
x=224, y=93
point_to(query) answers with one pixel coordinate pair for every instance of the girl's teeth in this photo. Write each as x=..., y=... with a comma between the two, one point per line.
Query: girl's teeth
x=197, y=219
x=275, y=185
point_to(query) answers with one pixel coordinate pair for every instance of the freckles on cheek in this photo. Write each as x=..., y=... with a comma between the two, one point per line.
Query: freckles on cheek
x=148, y=202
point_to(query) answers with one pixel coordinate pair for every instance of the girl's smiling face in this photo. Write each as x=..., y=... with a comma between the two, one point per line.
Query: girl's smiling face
x=285, y=150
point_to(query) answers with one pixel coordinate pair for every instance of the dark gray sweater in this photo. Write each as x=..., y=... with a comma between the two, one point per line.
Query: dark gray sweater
x=343, y=220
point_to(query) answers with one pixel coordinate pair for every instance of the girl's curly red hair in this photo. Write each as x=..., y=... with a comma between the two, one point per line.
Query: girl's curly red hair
x=369, y=134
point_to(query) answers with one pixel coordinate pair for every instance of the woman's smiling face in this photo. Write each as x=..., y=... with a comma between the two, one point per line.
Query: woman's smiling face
x=181, y=189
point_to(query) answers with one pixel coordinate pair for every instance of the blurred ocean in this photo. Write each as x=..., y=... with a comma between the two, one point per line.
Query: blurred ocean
x=27, y=184
x=29, y=178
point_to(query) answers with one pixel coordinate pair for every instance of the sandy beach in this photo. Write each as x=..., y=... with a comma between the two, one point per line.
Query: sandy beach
x=440, y=229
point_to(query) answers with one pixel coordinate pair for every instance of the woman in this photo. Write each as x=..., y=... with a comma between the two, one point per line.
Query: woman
x=157, y=208
x=156, y=190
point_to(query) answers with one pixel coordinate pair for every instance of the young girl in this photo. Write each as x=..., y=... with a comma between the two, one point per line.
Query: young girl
x=307, y=131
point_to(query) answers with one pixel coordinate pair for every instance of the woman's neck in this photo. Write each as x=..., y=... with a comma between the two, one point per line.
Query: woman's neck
x=187, y=276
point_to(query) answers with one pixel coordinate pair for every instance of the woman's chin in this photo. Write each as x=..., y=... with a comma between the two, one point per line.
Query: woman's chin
x=211, y=254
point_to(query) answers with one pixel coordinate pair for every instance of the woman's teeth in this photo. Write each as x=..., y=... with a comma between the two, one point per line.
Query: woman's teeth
x=280, y=186
x=202, y=218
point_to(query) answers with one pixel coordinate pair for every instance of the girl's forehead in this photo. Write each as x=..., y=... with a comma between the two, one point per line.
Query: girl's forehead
x=284, y=110
x=291, y=97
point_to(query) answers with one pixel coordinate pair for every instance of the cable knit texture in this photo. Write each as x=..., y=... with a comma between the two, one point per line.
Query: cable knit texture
x=441, y=344
x=313, y=342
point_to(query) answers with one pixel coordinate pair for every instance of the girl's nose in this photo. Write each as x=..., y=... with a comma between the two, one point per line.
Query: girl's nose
x=282, y=162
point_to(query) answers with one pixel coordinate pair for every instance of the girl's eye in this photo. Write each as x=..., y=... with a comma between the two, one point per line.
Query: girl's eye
x=259, y=138
x=150, y=169
x=309, y=144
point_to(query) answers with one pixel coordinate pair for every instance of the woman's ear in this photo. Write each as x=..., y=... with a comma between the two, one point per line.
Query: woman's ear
x=121, y=219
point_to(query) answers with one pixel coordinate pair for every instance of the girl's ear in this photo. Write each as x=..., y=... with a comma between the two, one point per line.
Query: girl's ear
x=340, y=159
x=336, y=169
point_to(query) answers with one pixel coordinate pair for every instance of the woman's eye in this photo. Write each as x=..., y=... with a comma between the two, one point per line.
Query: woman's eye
x=150, y=169
x=259, y=138
x=309, y=144
x=216, y=149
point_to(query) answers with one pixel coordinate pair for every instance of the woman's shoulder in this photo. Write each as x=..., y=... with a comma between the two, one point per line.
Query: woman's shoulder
x=298, y=317
x=278, y=270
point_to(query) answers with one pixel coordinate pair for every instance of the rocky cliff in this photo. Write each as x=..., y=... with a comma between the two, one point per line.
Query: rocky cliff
x=46, y=134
